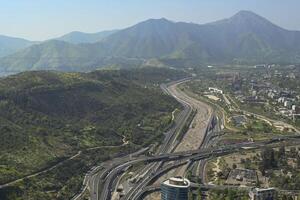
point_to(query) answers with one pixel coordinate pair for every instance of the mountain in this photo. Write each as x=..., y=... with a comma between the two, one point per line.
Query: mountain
x=62, y=56
x=77, y=37
x=49, y=55
x=248, y=37
x=9, y=45
x=152, y=38
x=245, y=38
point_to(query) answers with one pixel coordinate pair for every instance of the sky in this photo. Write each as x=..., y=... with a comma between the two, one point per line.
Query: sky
x=45, y=19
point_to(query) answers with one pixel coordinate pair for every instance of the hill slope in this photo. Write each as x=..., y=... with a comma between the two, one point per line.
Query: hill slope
x=47, y=116
x=9, y=45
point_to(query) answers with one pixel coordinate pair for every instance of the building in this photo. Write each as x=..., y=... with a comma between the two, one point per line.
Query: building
x=216, y=90
x=287, y=104
x=260, y=66
x=262, y=194
x=281, y=99
x=175, y=188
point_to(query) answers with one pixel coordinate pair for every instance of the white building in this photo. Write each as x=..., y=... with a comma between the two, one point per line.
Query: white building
x=287, y=104
x=175, y=188
x=216, y=90
x=262, y=194
x=281, y=99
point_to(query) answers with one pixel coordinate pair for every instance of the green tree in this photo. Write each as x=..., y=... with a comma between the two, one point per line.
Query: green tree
x=293, y=152
x=281, y=152
x=199, y=194
x=190, y=195
x=268, y=159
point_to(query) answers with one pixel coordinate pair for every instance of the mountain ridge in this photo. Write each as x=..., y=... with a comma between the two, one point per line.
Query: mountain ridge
x=245, y=38
x=78, y=37
x=9, y=45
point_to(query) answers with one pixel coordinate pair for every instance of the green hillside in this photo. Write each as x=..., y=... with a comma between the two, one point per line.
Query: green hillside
x=46, y=117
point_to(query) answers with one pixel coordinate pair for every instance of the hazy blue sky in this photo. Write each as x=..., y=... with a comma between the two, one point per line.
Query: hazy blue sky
x=43, y=19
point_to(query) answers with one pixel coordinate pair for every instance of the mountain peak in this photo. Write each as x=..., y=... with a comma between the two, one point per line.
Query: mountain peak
x=246, y=15
x=248, y=21
x=157, y=21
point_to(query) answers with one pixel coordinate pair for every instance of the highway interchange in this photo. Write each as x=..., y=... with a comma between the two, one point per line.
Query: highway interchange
x=103, y=180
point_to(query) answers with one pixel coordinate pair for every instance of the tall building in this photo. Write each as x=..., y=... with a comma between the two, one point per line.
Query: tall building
x=175, y=188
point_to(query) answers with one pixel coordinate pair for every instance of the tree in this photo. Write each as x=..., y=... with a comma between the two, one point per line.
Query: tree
x=268, y=158
x=190, y=195
x=293, y=152
x=281, y=152
x=189, y=175
x=262, y=169
x=199, y=194
x=298, y=161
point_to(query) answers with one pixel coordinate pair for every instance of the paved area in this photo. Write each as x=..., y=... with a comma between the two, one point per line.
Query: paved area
x=194, y=136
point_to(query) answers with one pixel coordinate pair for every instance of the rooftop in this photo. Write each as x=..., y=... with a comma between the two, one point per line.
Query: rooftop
x=177, y=182
x=263, y=189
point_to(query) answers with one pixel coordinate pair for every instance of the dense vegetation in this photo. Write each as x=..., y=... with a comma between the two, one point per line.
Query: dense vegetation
x=47, y=117
x=288, y=162
x=228, y=194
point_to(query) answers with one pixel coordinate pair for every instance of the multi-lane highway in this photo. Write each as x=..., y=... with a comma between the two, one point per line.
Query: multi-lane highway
x=203, y=123
x=194, y=155
x=103, y=183
x=169, y=143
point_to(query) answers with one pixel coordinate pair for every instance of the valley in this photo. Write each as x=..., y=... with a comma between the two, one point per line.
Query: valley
x=150, y=100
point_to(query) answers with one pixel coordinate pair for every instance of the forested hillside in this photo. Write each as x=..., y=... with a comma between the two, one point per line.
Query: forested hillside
x=46, y=117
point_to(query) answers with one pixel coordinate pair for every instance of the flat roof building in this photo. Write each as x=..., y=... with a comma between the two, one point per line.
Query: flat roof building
x=216, y=90
x=262, y=194
x=175, y=188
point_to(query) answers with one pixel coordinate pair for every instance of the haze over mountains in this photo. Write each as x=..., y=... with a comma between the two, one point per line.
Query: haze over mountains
x=243, y=38
x=77, y=37
x=9, y=45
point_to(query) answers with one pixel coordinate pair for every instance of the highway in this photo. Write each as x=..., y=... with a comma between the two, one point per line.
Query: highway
x=110, y=174
x=103, y=183
x=210, y=141
x=170, y=142
x=167, y=146
x=186, y=157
